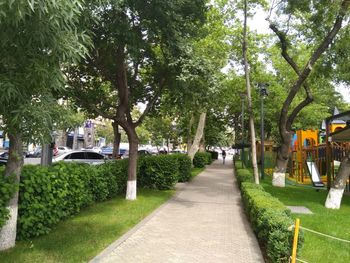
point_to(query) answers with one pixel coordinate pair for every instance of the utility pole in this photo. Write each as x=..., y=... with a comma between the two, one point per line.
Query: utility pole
x=263, y=93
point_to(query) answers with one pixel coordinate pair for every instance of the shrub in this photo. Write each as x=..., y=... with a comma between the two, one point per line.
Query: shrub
x=49, y=194
x=270, y=219
x=184, y=162
x=214, y=155
x=243, y=175
x=160, y=172
x=201, y=159
x=8, y=187
x=116, y=174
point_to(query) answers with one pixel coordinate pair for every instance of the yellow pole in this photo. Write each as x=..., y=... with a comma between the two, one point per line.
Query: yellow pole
x=295, y=240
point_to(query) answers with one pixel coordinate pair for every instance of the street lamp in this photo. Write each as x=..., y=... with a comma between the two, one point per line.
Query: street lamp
x=263, y=93
x=242, y=95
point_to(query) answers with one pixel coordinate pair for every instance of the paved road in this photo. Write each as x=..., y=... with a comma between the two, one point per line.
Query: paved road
x=204, y=222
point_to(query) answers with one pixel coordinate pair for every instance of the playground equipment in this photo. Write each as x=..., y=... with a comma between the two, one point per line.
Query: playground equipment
x=313, y=159
x=314, y=174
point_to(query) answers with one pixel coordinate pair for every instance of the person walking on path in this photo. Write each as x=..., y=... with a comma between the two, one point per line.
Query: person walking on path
x=204, y=222
x=223, y=153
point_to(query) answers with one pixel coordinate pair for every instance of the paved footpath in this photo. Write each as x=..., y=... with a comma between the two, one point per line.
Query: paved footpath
x=204, y=222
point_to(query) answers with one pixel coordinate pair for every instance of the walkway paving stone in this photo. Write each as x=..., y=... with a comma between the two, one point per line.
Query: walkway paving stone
x=204, y=222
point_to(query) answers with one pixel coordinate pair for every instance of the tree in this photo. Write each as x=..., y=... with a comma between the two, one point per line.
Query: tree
x=323, y=36
x=36, y=38
x=249, y=96
x=135, y=43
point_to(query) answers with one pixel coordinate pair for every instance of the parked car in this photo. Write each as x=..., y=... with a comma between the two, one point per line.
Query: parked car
x=5, y=155
x=34, y=153
x=106, y=150
x=177, y=151
x=89, y=157
x=3, y=161
x=63, y=149
x=95, y=149
x=143, y=152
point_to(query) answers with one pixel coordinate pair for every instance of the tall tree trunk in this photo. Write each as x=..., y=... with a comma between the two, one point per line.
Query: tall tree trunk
x=202, y=144
x=249, y=97
x=189, y=133
x=335, y=194
x=13, y=167
x=131, y=189
x=116, y=140
x=199, y=134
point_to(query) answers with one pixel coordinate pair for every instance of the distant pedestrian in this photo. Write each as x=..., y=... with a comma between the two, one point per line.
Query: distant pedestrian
x=223, y=153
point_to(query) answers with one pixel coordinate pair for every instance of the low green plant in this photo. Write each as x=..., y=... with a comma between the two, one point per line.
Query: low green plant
x=214, y=155
x=184, y=162
x=201, y=159
x=82, y=237
x=116, y=174
x=50, y=194
x=270, y=219
x=243, y=175
x=159, y=172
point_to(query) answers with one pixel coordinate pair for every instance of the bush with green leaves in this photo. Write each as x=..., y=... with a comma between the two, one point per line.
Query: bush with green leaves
x=7, y=189
x=159, y=172
x=244, y=175
x=201, y=159
x=270, y=220
x=116, y=175
x=214, y=155
x=50, y=194
x=185, y=165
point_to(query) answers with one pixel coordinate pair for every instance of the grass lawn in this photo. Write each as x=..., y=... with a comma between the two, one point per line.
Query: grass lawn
x=83, y=236
x=318, y=249
x=196, y=171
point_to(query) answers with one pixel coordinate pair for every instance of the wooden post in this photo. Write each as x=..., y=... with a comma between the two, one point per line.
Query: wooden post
x=295, y=240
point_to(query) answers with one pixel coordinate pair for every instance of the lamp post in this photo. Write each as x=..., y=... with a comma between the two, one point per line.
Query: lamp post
x=242, y=95
x=263, y=93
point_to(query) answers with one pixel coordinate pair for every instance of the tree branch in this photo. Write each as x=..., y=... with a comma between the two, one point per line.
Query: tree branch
x=284, y=121
x=291, y=62
x=151, y=103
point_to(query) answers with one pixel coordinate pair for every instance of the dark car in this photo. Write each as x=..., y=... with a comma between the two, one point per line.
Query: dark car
x=143, y=152
x=3, y=161
x=35, y=153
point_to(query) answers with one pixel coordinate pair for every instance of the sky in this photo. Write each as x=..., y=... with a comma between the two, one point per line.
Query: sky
x=259, y=24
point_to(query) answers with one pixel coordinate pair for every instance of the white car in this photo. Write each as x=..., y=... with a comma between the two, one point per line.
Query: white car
x=89, y=157
x=63, y=149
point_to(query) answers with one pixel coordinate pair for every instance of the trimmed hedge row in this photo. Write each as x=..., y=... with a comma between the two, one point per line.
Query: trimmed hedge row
x=201, y=159
x=269, y=217
x=160, y=172
x=50, y=194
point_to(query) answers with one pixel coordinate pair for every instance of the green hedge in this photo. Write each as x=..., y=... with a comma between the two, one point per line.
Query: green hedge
x=201, y=159
x=160, y=172
x=7, y=189
x=185, y=165
x=214, y=155
x=269, y=217
x=244, y=175
x=50, y=194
